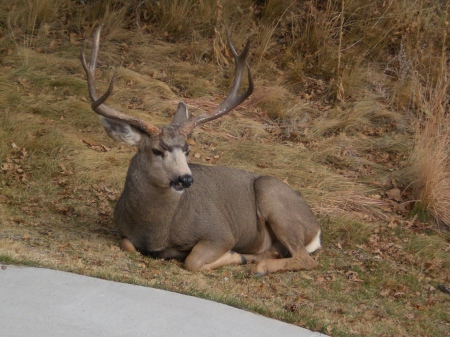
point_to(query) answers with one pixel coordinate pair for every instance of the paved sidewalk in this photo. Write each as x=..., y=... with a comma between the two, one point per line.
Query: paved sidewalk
x=43, y=302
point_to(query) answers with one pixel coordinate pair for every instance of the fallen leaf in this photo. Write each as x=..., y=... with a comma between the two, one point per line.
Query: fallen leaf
x=63, y=246
x=286, y=181
x=395, y=194
x=353, y=276
x=73, y=39
x=384, y=292
x=190, y=141
x=95, y=146
x=305, y=276
x=419, y=307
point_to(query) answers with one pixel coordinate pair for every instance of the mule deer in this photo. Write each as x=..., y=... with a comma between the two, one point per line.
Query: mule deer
x=206, y=216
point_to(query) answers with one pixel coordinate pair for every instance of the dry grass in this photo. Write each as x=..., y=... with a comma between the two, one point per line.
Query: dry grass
x=430, y=165
x=361, y=162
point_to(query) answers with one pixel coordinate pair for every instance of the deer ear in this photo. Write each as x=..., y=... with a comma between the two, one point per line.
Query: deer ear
x=181, y=116
x=122, y=132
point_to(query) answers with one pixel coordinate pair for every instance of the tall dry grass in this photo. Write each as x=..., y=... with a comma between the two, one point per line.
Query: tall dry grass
x=389, y=54
x=430, y=168
x=430, y=157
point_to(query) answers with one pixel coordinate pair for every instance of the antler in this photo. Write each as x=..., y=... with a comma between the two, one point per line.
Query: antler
x=233, y=99
x=98, y=103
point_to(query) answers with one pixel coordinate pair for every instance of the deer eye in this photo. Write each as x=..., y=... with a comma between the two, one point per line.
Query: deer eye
x=158, y=153
x=186, y=149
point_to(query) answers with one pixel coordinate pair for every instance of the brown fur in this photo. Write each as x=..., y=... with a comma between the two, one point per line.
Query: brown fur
x=163, y=213
x=225, y=210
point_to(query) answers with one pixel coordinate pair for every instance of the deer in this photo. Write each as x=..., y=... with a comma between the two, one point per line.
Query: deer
x=204, y=216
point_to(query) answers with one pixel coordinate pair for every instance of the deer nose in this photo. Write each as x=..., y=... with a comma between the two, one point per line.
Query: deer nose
x=185, y=180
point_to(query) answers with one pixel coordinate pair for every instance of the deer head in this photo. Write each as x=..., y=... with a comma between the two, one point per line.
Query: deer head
x=162, y=151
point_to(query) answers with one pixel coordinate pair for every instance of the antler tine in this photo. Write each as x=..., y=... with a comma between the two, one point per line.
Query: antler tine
x=98, y=103
x=233, y=99
x=90, y=70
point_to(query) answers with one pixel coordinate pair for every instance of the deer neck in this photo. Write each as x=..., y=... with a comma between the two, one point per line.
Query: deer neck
x=145, y=211
x=138, y=184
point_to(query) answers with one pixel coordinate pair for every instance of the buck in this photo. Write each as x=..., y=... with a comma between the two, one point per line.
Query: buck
x=206, y=216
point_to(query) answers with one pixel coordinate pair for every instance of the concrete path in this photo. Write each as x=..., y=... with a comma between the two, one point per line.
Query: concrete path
x=42, y=302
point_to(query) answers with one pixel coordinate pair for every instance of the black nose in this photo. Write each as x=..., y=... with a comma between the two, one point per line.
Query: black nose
x=185, y=180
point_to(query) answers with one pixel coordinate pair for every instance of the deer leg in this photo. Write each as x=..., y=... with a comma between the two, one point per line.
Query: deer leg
x=228, y=258
x=300, y=261
x=296, y=257
x=292, y=224
x=255, y=258
x=232, y=257
x=127, y=246
x=208, y=256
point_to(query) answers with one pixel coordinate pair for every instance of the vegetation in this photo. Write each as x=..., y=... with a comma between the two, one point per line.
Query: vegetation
x=351, y=108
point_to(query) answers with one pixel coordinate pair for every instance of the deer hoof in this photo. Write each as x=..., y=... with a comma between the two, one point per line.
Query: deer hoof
x=259, y=274
x=259, y=271
x=243, y=259
x=127, y=246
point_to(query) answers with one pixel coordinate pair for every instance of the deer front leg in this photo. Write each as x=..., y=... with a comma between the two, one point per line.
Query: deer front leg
x=127, y=246
x=208, y=255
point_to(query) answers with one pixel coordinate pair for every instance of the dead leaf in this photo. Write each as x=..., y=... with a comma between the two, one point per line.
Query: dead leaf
x=353, y=276
x=63, y=246
x=95, y=146
x=419, y=307
x=73, y=39
x=384, y=292
x=305, y=276
x=292, y=307
x=320, y=279
x=404, y=207
x=63, y=209
x=393, y=223
x=395, y=194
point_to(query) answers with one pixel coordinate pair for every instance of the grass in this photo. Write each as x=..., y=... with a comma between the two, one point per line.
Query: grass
x=373, y=166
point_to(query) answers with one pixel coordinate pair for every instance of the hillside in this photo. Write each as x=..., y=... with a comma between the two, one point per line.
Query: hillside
x=350, y=108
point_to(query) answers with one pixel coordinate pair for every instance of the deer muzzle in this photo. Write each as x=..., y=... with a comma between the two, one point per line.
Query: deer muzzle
x=184, y=181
